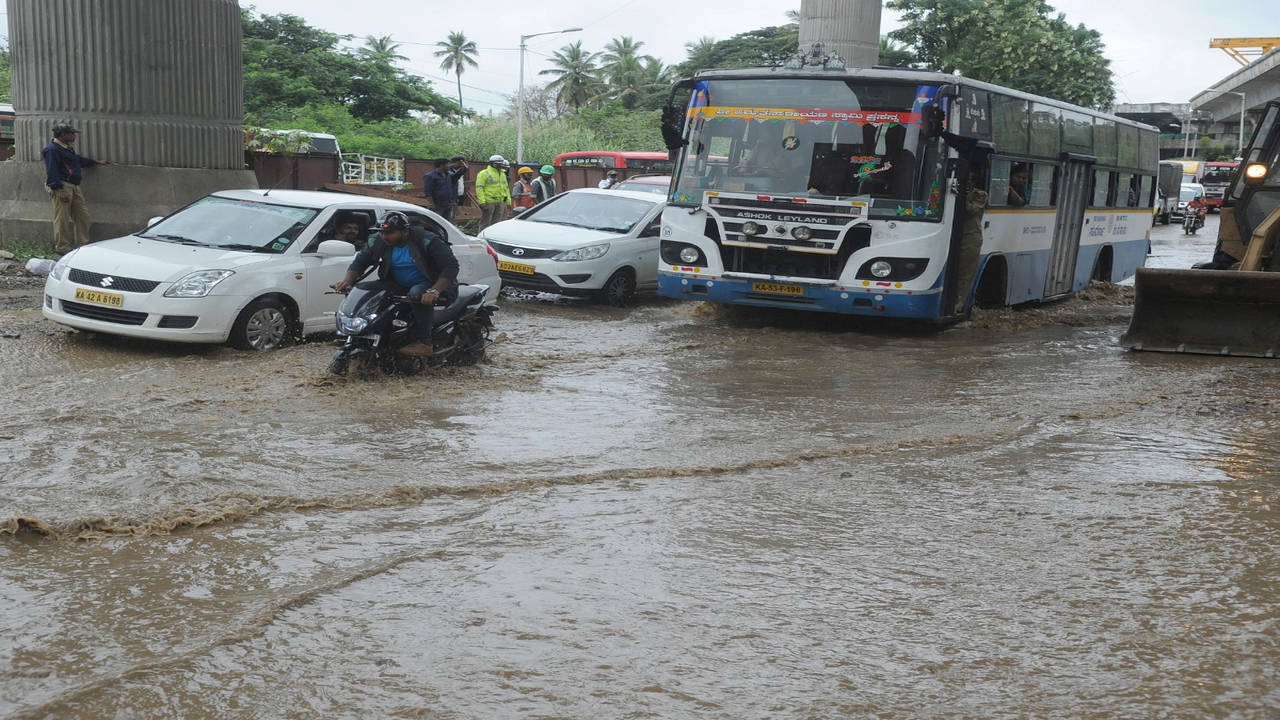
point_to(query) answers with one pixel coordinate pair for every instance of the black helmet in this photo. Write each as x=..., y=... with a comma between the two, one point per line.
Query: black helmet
x=395, y=220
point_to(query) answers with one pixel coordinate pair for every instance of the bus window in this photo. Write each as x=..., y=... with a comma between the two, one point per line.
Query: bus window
x=1101, y=188
x=998, y=190
x=1125, y=196
x=1041, y=186
x=1148, y=185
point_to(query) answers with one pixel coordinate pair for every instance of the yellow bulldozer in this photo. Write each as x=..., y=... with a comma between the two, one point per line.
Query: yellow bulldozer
x=1231, y=304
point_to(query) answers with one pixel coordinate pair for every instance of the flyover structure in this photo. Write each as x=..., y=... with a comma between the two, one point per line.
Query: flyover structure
x=1240, y=95
x=156, y=88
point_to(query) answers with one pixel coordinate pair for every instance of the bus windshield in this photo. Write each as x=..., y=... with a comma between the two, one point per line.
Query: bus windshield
x=822, y=137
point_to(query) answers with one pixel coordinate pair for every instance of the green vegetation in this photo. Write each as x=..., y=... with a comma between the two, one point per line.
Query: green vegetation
x=1017, y=43
x=4, y=74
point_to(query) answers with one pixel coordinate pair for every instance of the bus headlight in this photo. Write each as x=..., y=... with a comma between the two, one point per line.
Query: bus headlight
x=689, y=255
x=801, y=233
x=881, y=269
x=751, y=229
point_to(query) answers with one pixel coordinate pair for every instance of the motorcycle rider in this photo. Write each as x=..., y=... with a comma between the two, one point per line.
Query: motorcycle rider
x=1196, y=210
x=412, y=258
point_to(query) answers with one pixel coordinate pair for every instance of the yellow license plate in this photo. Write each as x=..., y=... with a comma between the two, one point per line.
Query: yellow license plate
x=516, y=267
x=98, y=297
x=777, y=289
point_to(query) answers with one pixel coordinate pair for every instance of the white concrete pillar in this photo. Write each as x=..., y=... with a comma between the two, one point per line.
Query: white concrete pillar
x=850, y=28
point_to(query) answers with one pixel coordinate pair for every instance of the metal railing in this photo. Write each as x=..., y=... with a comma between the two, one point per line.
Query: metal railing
x=361, y=169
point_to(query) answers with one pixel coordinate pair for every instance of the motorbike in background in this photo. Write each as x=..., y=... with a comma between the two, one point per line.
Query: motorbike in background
x=1192, y=221
x=376, y=324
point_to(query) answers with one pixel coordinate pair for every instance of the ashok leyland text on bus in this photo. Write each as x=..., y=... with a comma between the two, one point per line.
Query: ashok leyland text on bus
x=895, y=193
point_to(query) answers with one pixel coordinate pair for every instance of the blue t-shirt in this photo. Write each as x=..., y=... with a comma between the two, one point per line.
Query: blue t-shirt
x=403, y=271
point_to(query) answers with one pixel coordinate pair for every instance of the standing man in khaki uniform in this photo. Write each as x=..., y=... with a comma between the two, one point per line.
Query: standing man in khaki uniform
x=62, y=178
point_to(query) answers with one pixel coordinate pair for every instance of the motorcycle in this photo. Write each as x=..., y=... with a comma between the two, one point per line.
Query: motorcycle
x=376, y=324
x=1192, y=221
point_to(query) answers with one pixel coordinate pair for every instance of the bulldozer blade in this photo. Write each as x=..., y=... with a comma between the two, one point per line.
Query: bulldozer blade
x=1208, y=312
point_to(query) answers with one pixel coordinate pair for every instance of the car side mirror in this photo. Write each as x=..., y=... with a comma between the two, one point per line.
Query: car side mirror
x=154, y=220
x=651, y=231
x=336, y=248
x=516, y=212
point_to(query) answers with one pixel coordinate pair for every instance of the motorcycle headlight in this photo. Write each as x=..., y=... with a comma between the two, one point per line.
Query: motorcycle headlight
x=197, y=284
x=348, y=325
x=590, y=252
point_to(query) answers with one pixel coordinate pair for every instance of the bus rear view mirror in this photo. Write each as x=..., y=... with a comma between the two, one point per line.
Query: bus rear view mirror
x=673, y=128
x=933, y=121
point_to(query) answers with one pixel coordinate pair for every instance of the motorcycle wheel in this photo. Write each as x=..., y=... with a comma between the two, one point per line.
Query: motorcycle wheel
x=339, y=366
x=367, y=366
x=471, y=340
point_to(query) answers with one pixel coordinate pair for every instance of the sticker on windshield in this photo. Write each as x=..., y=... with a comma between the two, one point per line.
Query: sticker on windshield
x=280, y=244
x=790, y=142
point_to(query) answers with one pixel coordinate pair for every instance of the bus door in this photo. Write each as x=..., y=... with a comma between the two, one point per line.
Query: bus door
x=1073, y=197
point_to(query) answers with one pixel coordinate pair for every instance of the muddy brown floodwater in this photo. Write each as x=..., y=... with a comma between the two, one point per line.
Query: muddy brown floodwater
x=668, y=511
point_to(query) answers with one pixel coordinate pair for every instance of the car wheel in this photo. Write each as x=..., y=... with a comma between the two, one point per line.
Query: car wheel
x=619, y=289
x=265, y=325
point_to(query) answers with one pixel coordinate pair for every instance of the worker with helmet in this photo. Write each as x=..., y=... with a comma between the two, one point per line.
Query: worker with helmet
x=522, y=190
x=492, y=192
x=544, y=186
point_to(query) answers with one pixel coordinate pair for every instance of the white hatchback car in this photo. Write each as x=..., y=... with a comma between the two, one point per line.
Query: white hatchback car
x=583, y=242
x=249, y=267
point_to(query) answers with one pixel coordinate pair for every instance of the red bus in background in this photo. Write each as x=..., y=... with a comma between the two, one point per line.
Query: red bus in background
x=1215, y=177
x=646, y=162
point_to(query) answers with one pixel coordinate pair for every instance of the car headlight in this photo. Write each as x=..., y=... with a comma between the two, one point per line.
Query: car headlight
x=60, y=268
x=590, y=252
x=197, y=284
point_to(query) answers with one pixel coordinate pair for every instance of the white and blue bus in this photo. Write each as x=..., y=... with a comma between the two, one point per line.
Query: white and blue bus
x=861, y=191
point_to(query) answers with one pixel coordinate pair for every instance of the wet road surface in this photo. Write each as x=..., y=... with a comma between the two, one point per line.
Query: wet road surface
x=673, y=510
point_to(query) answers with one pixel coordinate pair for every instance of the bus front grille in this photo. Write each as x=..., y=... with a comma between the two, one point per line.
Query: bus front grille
x=780, y=261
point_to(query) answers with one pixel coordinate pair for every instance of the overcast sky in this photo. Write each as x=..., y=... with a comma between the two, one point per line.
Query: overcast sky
x=1159, y=49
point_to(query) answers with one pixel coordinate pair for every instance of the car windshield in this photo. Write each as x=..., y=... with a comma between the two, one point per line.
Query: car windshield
x=593, y=211
x=234, y=225
x=1188, y=194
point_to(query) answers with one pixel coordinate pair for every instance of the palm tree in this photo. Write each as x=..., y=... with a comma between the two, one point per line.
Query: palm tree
x=793, y=16
x=458, y=52
x=381, y=50
x=701, y=54
x=622, y=67
x=575, y=72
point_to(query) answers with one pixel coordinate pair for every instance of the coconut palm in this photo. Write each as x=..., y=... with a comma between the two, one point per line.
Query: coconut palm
x=701, y=54
x=457, y=52
x=381, y=50
x=622, y=66
x=575, y=72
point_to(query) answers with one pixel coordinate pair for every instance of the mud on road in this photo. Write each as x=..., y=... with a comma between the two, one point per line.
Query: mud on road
x=668, y=510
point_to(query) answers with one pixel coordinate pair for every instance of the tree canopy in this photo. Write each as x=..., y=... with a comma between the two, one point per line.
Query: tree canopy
x=1018, y=43
x=288, y=64
x=4, y=74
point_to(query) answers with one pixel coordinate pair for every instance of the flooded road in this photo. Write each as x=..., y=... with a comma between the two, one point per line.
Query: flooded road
x=673, y=510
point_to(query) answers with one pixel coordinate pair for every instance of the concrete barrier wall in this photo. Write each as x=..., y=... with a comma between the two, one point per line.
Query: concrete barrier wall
x=147, y=82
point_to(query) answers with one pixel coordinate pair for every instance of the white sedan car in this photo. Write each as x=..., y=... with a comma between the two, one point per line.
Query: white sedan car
x=249, y=267
x=602, y=243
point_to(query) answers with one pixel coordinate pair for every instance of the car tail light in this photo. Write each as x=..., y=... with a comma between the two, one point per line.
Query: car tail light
x=492, y=254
